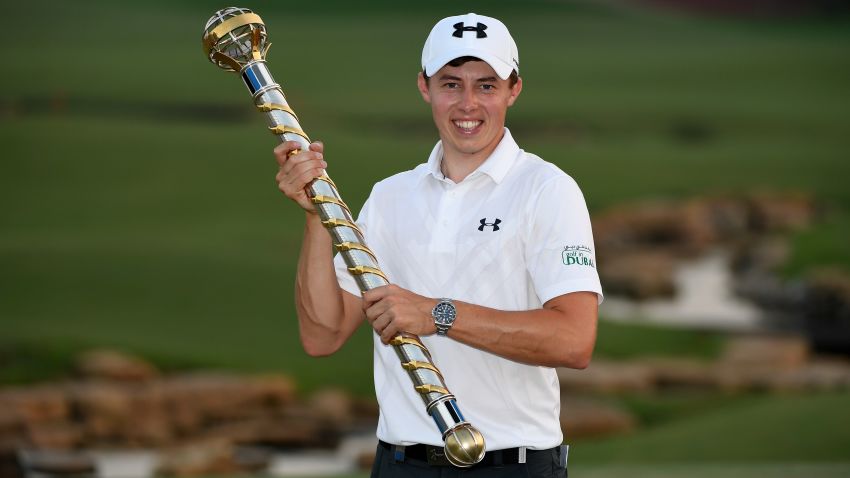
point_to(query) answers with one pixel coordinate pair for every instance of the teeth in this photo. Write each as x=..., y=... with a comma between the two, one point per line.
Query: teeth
x=467, y=124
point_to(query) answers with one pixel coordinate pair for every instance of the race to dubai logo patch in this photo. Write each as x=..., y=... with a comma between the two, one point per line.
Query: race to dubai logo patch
x=578, y=255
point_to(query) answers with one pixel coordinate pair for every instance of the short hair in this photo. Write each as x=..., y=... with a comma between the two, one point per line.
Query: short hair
x=512, y=79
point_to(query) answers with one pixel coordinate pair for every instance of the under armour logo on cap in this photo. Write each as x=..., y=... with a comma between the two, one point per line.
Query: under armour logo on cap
x=494, y=224
x=488, y=40
x=460, y=28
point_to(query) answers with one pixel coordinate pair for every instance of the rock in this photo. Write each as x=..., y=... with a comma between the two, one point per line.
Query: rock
x=638, y=275
x=639, y=226
x=775, y=213
x=765, y=256
x=819, y=375
x=38, y=404
x=365, y=460
x=298, y=427
x=104, y=409
x=57, y=463
x=695, y=226
x=113, y=365
x=826, y=308
x=252, y=459
x=733, y=379
x=150, y=423
x=710, y=221
x=11, y=426
x=275, y=390
x=366, y=409
x=208, y=457
x=10, y=467
x=681, y=373
x=56, y=436
x=199, y=398
x=334, y=405
x=160, y=412
x=582, y=418
x=766, y=352
x=603, y=376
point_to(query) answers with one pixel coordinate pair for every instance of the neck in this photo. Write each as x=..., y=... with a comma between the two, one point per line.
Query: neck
x=457, y=165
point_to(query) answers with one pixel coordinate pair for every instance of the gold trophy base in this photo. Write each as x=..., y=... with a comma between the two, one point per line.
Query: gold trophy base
x=464, y=446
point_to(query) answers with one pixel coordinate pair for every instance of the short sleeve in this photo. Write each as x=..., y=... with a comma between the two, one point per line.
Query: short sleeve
x=559, y=248
x=345, y=279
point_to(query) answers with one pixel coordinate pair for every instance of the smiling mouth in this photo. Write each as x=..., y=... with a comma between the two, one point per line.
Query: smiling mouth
x=467, y=126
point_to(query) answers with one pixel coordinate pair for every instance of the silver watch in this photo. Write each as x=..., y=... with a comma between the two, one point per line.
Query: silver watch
x=444, y=314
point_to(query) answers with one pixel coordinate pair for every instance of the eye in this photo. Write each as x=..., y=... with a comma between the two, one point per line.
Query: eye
x=488, y=87
x=451, y=85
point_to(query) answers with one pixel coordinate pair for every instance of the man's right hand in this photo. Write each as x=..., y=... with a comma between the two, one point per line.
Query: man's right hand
x=296, y=171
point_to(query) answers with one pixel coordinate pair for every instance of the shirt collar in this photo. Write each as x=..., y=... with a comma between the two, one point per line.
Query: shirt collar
x=496, y=166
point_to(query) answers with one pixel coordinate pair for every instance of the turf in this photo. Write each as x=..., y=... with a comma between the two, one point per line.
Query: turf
x=139, y=210
x=139, y=207
x=756, y=429
x=702, y=470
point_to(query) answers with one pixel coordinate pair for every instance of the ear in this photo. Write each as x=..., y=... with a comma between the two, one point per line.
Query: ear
x=423, y=88
x=515, y=90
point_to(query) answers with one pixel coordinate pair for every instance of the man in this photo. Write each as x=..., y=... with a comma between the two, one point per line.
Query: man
x=495, y=235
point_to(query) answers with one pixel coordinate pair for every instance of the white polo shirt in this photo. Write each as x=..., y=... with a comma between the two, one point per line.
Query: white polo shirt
x=510, y=236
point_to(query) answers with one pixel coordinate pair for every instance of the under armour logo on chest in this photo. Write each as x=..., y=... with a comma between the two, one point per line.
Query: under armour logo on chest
x=494, y=224
x=460, y=29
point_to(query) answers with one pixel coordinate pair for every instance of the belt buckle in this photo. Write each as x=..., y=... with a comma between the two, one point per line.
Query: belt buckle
x=436, y=456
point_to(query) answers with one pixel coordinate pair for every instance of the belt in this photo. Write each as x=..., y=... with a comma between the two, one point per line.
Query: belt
x=436, y=456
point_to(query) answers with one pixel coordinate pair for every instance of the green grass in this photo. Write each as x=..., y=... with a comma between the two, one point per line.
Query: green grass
x=825, y=245
x=712, y=470
x=700, y=470
x=627, y=341
x=785, y=428
x=135, y=216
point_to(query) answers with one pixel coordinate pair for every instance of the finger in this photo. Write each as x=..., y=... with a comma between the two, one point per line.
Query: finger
x=295, y=174
x=373, y=295
x=300, y=167
x=390, y=331
x=298, y=181
x=283, y=150
x=380, y=323
x=377, y=309
x=300, y=158
x=317, y=146
x=290, y=172
x=300, y=177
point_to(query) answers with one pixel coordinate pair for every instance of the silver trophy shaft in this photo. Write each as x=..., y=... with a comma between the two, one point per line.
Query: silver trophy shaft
x=361, y=262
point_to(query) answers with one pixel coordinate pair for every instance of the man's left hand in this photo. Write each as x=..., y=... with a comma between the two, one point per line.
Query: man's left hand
x=392, y=310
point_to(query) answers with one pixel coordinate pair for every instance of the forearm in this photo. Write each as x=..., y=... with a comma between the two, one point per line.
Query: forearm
x=557, y=336
x=318, y=297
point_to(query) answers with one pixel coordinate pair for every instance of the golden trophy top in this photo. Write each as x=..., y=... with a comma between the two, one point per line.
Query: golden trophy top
x=234, y=37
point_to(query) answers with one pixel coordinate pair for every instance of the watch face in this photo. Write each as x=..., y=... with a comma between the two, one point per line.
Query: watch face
x=444, y=313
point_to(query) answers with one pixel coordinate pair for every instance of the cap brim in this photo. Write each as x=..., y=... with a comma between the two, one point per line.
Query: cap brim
x=502, y=69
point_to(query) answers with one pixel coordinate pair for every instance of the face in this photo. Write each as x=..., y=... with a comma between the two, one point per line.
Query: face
x=469, y=103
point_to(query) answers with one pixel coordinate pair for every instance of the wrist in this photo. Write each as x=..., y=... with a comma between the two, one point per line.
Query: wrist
x=444, y=314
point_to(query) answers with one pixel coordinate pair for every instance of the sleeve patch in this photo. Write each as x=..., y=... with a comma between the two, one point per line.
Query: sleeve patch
x=578, y=256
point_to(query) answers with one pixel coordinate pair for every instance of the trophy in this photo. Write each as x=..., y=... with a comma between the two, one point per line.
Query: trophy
x=235, y=40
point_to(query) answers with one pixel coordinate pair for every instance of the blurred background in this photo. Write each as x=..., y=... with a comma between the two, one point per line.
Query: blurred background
x=147, y=259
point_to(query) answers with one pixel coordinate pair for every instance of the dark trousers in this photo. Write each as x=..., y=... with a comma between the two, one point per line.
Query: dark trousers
x=544, y=464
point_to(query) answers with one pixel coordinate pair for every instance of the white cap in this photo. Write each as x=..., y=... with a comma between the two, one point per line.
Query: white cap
x=471, y=35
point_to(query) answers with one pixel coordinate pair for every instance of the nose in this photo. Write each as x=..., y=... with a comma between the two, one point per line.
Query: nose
x=468, y=101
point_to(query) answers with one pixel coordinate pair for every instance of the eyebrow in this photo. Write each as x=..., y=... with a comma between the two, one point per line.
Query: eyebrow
x=487, y=79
